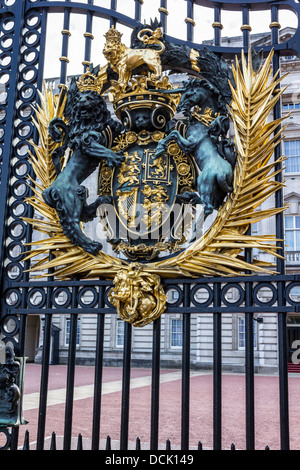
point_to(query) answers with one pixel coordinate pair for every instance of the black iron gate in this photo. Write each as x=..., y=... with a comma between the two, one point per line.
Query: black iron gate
x=23, y=44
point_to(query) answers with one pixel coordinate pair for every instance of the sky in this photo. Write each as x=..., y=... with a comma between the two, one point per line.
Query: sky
x=176, y=27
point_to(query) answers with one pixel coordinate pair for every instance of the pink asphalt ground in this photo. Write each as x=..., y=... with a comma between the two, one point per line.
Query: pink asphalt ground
x=267, y=426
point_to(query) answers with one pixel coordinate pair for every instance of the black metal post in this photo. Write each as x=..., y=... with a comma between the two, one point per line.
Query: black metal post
x=217, y=370
x=98, y=373
x=155, y=385
x=125, y=387
x=185, y=397
x=282, y=320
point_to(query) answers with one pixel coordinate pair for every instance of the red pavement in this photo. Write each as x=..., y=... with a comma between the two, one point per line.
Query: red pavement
x=267, y=429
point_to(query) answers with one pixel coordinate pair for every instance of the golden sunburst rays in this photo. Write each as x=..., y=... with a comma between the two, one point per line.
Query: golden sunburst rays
x=218, y=252
x=66, y=259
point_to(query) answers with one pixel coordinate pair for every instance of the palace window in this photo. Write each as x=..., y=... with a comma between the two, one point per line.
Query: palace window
x=120, y=333
x=292, y=232
x=67, y=332
x=176, y=333
x=292, y=151
x=242, y=333
x=287, y=106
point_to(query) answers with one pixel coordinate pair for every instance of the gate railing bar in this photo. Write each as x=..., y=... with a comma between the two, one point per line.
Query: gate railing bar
x=44, y=383
x=217, y=25
x=155, y=385
x=138, y=10
x=125, y=387
x=65, y=46
x=113, y=6
x=217, y=371
x=98, y=374
x=88, y=37
x=45, y=368
x=186, y=280
x=246, y=28
x=282, y=320
x=70, y=382
x=9, y=128
x=185, y=397
x=249, y=372
x=249, y=330
x=190, y=21
x=163, y=14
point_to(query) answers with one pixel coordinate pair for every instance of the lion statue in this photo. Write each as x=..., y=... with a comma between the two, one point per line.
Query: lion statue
x=123, y=59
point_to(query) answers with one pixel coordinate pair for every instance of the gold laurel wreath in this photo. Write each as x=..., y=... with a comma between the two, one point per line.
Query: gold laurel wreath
x=218, y=252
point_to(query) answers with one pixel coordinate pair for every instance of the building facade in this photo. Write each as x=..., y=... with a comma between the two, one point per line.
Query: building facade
x=233, y=337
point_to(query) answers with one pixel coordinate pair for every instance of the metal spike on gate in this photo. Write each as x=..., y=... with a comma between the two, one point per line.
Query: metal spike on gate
x=232, y=447
x=138, y=444
x=79, y=442
x=108, y=443
x=200, y=445
x=53, y=441
x=26, y=445
x=168, y=444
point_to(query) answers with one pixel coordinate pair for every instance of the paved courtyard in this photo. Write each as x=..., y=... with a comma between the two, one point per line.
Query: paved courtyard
x=201, y=407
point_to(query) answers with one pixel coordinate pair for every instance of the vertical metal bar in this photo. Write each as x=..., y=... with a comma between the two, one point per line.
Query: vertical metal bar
x=190, y=21
x=113, y=6
x=185, y=396
x=217, y=370
x=70, y=383
x=44, y=383
x=217, y=25
x=125, y=387
x=282, y=321
x=19, y=11
x=246, y=28
x=88, y=37
x=138, y=10
x=163, y=14
x=155, y=385
x=65, y=47
x=250, y=441
x=45, y=369
x=98, y=374
x=249, y=357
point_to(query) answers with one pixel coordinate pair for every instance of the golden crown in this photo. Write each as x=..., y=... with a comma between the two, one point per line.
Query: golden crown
x=89, y=81
x=113, y=35
x=144, y=92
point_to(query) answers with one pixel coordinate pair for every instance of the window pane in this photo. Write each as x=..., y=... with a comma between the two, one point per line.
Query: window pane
x=297, y=221
x=289, y=239
x=289, y=222
x=292, y=148
x=120, y=333
x=297, y=247
x=176, y=333
x=292, y=165
x=241, y=337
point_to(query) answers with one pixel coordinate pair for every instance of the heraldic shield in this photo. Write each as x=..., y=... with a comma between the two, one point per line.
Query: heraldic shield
x=160, y=156
x=144, y=191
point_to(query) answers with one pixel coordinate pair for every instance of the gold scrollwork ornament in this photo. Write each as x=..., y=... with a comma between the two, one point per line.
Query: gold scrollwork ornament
x=138, y=295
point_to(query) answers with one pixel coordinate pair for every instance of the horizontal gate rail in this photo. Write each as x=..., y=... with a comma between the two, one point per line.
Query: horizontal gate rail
x=20, y=294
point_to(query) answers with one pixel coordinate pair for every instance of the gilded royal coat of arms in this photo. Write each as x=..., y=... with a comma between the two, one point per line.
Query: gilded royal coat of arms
x=163, y=163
